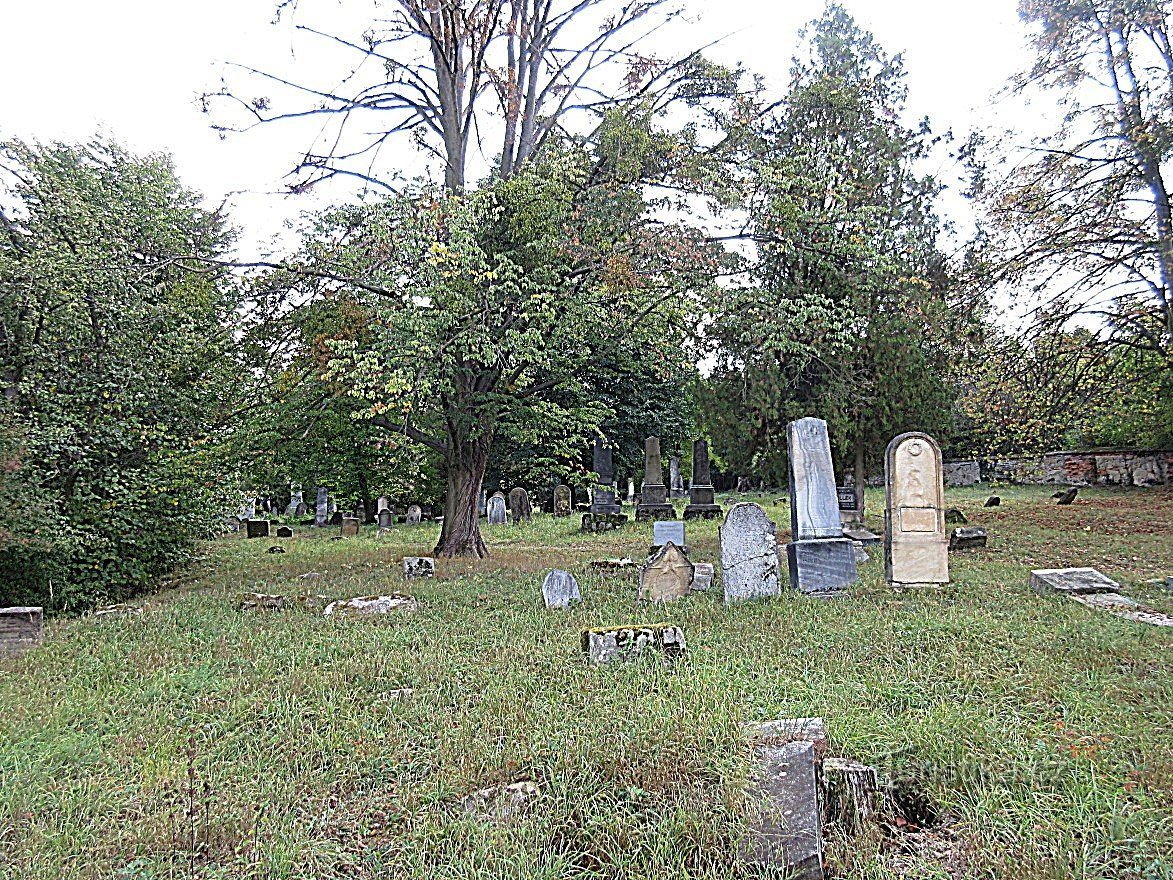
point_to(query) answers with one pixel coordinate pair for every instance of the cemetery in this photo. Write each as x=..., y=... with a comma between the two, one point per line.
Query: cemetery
x=586, y=439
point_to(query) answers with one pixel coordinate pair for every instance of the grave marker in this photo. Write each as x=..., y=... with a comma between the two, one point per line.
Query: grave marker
x=653, y=496
x=20, y=629
x=560, y=589
x=563, y=501
x=667, y=576
x=350, y=526
x=609, y=644
x=749, y=554
x=916, y=551
x=495, y=509
x=520, y=509
x=701, y=494
x=415, y=515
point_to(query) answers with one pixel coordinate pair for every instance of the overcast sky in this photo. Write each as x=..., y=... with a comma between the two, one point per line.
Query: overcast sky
x=134, y=69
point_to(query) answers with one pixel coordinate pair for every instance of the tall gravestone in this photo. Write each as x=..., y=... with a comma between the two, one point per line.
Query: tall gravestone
x=322, y=510
x=603, y=500
x=676, y=481
x=701, y=494
x=749, y=554
x=653, y=494
x=520, y=509
x=386, y=517
x=296, y=499
x=415, y=515
x=495, y=509
x=384, y=503
x=563, y=501
x=248, y=509
x=821, y=560
x=916, y=550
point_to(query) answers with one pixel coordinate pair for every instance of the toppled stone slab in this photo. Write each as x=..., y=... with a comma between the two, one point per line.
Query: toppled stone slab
x=501, y=802
x=1123, y=606
x=274, y=602
x=785, y=830
x=366, y=606
x=1078, y=581
x=20, y=629
x=284, y=532
x=857, y=532
x=120, y=609
x=560, y=589
x=276, y=549
x=608, y=644
x=419, y=567
x=614, y=564
x=788, y=730
x=966, y=538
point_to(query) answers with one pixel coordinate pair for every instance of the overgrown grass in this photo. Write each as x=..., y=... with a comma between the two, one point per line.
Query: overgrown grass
x=196, y=740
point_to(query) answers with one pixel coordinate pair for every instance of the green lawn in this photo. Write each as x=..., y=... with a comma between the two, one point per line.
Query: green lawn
x=196, y=740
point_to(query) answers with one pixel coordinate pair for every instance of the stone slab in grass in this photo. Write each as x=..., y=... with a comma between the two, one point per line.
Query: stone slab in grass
x=609, y=644
x=785, y=829
x=419, y=567
x=702, y=576
x=20, y=629
x=786, y=730
x=1077, y=581
x=1122, y=606
x=371, y=606
x=967, y=537
x=276, y=602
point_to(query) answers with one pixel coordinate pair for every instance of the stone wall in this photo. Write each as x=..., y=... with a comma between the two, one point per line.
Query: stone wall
x=1108, y=467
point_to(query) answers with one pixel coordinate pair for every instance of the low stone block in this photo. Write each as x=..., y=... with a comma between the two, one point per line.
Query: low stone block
x=821, y=565
x=419, y=567
x=787, y=730
x=967, y=538
x=1071, y=580
x=785, y=832
x=369, y=606
x=610, y=644
x=284, y=532
x=20, y=629
x=560, y=589
x=602, y=522
x=702, y=576
x=350, y=526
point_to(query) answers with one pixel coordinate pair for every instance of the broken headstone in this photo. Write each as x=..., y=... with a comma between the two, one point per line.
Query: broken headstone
x=749, y=554
x=966, y=537
x=367, y=606
x=419, y=567
x=20, y=629
x=667, y=576
x=609, y=644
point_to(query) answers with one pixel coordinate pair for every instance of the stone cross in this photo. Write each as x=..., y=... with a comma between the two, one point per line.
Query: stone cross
x=653, y=495
x=322, y=509
x=749, y=554
x=916, y=550
x=495, y=509
x=701, y=500
x=563, y=501
x=603, y=499
x=821, y=560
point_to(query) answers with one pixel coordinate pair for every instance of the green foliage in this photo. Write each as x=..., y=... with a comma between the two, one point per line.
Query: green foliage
x=112, y=364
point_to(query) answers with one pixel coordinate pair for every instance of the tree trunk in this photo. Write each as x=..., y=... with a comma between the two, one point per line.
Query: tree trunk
x=461, y=532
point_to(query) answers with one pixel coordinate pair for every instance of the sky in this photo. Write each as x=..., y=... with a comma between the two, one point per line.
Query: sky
x=134, y=70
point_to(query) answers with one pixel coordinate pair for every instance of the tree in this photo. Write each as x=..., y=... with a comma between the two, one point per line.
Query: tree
x=113, y=363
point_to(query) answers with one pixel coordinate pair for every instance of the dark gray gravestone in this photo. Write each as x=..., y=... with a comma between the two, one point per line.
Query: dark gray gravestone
x=653, y=495
x=560, y=589
x=1068, y=496
x=386, y=517
x=701, y=494
x=993, y=501
x=284, y=532
x=749, y=554
x=785, y=830
x=256, y=528
x=603, y=499
x=563, y=501
x=965, y=538
x=495, y=509
x=1080, y=581
x=520, y=509
x=322, y=508
x=20, y=629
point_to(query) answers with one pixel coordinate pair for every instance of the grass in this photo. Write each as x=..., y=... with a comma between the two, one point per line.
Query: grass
x=198, y=741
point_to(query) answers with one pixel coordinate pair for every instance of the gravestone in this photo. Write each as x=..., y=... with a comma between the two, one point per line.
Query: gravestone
x=256, y=528
x=785, y=832
x=563, y=501
x=296, y=499
x=993, y=501
x=676, y=481
x=820, y=559
x=495, y=509
x=667, y=576
x=916, y=551
x=386, y=518
x=850, y=508
x=670, y=530
x=1069, y=496
x=482, y=502
x=701, y=494
x=248, y=510
x=419, y=566
x=20, y=629
x=609, y=644
x=284, y=532
x=964, y=538
x=350, y=526
x=322, y=508
x=702, y=576
x=520, y=509
x=653, y=494
x=630, y=491
x=560, y=589
x=384, y=503
x=414, y=515
x=336, y=518
x=954, y=517
x=1080, y=581
x=749, y=554
x=603, y=499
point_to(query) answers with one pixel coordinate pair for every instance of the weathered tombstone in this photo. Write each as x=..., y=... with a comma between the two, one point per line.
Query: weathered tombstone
x=785, y=833
x=386, y=518
x=415, y=515
x=609, y=644
x=284, y=532
x=336, y=518
x=560, y=589
x=630, y=491
x=603, y=499
x=653, y=494
x=749, y=554
x=669, y=530
x=701, y=494
x=256, y=528
x=1080, y=581
x=993, y=501
x=302, y=509
x=482, y=502
x=350, y=526
x=520, y=509
x=916, y=551
x=419, y=566
x=667, y=576
x=563, y=501
x=820, y=559
x=296, y=499
x=954, y=517
x=963, y=538
x=676, y=480
x=702, y=576
x=384, y=503
x=322, y=509
x=495, y=509
x=20, y=629
x=1068, y=496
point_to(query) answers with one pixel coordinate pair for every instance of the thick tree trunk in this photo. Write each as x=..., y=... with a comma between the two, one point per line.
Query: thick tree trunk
x=461, y=532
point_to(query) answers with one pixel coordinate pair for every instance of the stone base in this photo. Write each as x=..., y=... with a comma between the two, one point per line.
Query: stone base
x=654, y=512
x=628, y=642
x=821, y=565
x=703, y=511
x=857, y=532
x=606, y=509
x=602, y=522
x=20, y=629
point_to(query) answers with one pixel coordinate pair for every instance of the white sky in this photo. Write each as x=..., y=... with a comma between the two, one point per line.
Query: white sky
x=133, y=69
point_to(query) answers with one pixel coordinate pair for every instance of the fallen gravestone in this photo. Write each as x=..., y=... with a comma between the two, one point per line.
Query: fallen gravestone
x=966, y=538
x=370, y=606
x=916, y=551
x=350, y=526
x=613, y=564
x=609, y=644
x=602, y=522
x=860, y=533
x=701, y=494
x=560, y=589
x=667, y=576
x=653, y=496
x=419, y=567
x=276, y=548
x=495, y=509
x=993, y=501
x=20, y=629
x=502, y=802
x=415, y=515
x=702, y=576
x=1068, y=496
x=1094, y=590
x=520, y=509
x=272, y=602
x=256, y=528
x=749, y=554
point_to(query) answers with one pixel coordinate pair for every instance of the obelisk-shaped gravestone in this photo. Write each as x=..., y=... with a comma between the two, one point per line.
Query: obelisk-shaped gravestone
x=603, y=501
x=916, y=551
x=820, y=559
x=653, y=495
x=701, y=494
x=322, y=509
